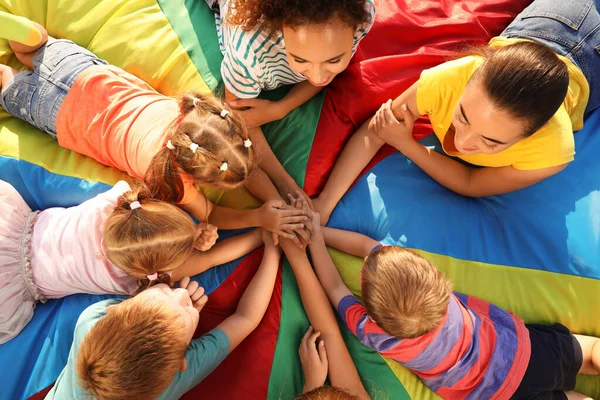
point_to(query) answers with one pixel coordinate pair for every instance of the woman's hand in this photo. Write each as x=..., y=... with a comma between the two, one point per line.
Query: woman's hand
x=257, y=112
x=386, y=126
x=314, y=362
x=206, y=236
x=195, y=291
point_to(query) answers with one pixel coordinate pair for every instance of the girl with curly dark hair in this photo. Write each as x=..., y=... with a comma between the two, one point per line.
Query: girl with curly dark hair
x=272, y=43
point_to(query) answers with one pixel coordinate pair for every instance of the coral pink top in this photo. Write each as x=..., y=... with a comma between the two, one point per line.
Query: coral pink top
x=66, y=249
x=119, y=120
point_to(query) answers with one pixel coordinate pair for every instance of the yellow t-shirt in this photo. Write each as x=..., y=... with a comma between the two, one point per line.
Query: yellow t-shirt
x=440, y=88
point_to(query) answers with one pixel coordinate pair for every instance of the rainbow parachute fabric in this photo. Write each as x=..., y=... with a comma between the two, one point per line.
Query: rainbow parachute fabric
x=535, y=252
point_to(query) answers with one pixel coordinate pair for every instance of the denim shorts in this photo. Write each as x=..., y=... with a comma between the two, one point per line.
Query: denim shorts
x=36, y=96
x=572, y=29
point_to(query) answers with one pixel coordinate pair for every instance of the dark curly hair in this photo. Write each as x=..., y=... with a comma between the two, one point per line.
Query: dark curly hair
x=273, y=14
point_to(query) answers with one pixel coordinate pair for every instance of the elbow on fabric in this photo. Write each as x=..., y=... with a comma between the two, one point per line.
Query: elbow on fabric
x=468, y=187
x=368, y=246
x=251, y=322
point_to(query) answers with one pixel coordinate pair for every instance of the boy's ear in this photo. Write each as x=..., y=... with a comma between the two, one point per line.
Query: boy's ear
x=183, y=367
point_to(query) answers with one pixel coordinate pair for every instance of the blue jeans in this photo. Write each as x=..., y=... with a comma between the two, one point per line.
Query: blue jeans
x=572, y=29
x=36, y=96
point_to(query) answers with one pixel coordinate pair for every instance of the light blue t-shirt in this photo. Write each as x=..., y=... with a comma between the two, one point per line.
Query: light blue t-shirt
x=203, y=356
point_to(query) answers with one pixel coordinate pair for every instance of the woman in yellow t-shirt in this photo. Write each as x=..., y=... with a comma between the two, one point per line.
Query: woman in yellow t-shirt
x=511, y=107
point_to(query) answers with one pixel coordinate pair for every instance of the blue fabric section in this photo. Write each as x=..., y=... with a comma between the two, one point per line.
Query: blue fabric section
x=551, y=226
x=32, y=360
x=38, y=354
x=42, y=189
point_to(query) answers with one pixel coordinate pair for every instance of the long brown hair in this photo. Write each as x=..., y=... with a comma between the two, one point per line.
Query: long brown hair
x=154, y=238
x=273, y=14
x=526, y=79
x=220, y=139
x=131, y=353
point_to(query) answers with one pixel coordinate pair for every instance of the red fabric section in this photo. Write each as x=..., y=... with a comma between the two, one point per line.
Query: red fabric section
x=245, y=372
x=408, y=37
x=229, y=381
x=42, y=394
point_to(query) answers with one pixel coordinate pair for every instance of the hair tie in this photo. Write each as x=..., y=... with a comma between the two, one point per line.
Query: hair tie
x=247, y=143
x=152, y=277
x=224, y=167
x=224, y=113
x=170, y=145
x=193, y=147
x=196, y=101
x=134, y=205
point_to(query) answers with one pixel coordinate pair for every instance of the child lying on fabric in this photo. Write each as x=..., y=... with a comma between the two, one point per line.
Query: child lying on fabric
x=105, y=113
x=460, y=346
x=341, y=368
x=142, y=348
x=115, y=243
x=315, y=368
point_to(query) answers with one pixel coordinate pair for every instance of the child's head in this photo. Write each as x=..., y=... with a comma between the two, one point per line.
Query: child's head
x=404, y=294
x=144, y=236
x=137, y=348
x=319, y=35
x=327, y=393
x=209, y=144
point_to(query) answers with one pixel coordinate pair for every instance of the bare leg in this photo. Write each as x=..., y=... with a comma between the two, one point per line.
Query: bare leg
x=590, y=348
x=577, y=396
x=24, y=52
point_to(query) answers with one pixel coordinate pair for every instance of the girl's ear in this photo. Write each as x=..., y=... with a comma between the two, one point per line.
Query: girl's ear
x=183, y=367
x=109, y=308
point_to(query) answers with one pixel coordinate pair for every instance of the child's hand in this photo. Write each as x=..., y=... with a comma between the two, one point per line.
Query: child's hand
x=312, y=225
x=282, y=219
x=257, y=112
x=206, y=236
x=314, y=362
x=385, y=125
x=195, y=291
x=289, y=186
x=268, y=239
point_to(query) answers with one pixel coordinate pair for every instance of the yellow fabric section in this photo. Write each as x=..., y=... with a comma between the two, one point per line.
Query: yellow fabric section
x=21, y=140
x=440, y=88
x=536, y=296
x=134, y=35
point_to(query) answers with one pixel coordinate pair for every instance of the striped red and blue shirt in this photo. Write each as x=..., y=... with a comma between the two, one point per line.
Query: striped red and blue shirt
x=479, y=351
